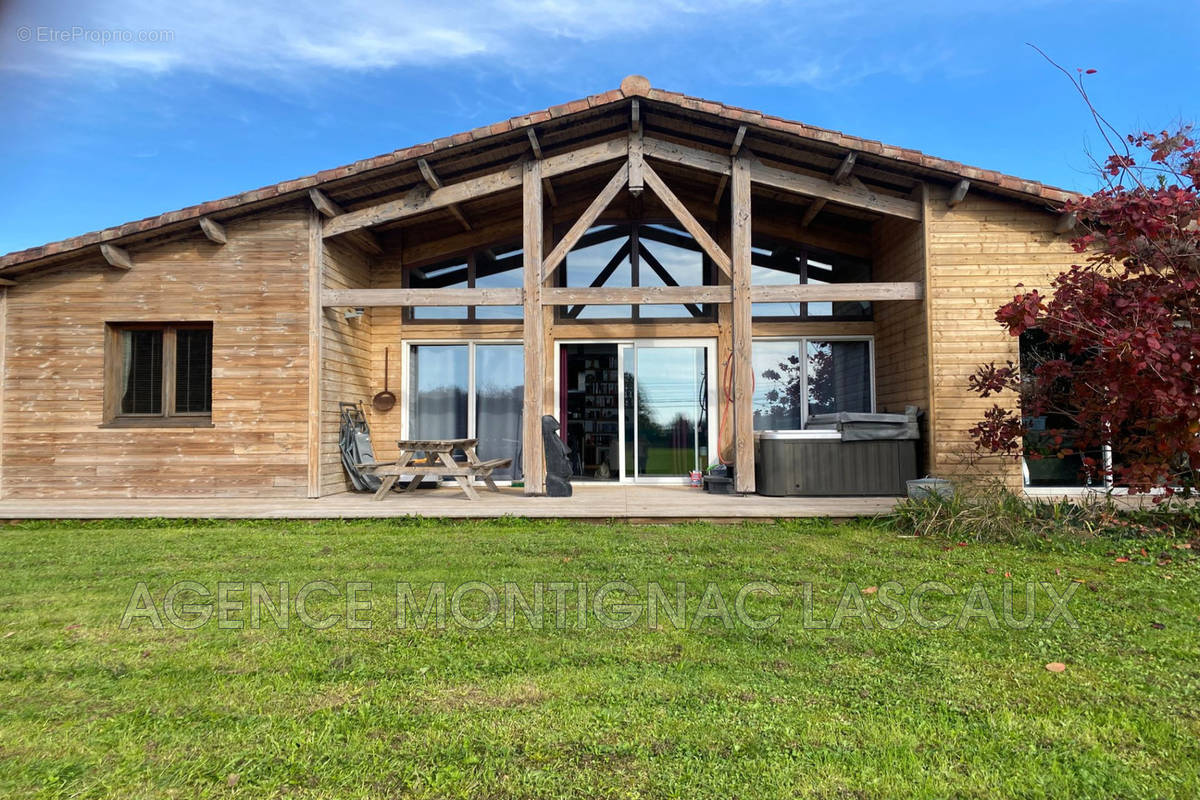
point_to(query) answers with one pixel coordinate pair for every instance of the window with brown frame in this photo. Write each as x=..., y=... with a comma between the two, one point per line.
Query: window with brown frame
x=158, y=374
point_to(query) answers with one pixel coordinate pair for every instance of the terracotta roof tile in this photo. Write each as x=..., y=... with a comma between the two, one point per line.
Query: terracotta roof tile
x=632, y=86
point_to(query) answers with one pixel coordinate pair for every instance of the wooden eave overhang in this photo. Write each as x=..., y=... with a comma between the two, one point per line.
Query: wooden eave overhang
x=700, y=125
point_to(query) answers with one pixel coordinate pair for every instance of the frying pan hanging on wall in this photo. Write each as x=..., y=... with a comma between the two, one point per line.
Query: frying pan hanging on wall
x=385, y=400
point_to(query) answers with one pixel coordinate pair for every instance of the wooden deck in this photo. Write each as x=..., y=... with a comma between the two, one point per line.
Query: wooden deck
x=591, y=502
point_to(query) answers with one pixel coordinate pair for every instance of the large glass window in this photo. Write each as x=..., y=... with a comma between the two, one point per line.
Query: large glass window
x=774, y=264
x=468, y=390
x=161, y=372
x=838, y=377
x=499, y=393
x=493, y=268
x=796, y=378
x=633, y=255
x=439, y=380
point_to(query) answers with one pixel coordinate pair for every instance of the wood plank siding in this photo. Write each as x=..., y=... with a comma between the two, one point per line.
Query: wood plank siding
x=978, y=252
x=346, y=357
x=901, y=346
x=254, y=291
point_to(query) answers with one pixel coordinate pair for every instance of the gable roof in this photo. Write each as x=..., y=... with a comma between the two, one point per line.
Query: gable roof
x=634, y=86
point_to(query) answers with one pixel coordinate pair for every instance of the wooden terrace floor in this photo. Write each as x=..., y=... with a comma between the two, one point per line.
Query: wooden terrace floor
x=590, y=502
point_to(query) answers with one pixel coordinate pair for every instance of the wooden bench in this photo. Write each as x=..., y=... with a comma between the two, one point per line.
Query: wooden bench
x=445, y=466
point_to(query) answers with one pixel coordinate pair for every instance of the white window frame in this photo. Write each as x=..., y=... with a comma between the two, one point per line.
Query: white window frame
x=405, y=366
x=804, y=340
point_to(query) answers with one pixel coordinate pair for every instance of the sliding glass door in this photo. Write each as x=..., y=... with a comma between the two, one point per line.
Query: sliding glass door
x=664, y=389
x=468, y=390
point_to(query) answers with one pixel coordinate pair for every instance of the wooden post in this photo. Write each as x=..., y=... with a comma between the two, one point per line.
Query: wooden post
x=316, y=280
x=724, y=343
x=533, y=460
x=743, y=370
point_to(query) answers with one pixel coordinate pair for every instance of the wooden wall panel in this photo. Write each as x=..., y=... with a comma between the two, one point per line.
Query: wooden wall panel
x=978, y=252
x=901, y=346
x=346, y=357
x=253, y=289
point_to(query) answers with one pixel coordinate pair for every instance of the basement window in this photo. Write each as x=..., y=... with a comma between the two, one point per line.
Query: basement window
x=158, y=375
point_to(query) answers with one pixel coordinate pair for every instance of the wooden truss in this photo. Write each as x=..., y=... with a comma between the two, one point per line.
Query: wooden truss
x=739, y=170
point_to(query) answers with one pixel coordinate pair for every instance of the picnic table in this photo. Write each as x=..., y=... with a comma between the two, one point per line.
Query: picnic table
x=442, y=450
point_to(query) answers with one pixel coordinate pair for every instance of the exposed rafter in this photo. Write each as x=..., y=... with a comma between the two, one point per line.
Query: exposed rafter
x=635, y=116
x=738, y=138
x=329, y=209
x=492, y=183
x=1066, y=222
x=214, y=230
x=841, y=176
x=326, y=207
x=7, y=282
x=855, y=194
x=435, y=183
x=810, y=213
x=958, y=193
x=534, y=143
x=547, y=187
x=116, y=256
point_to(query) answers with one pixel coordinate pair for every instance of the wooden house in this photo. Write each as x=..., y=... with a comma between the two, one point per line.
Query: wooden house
x=643, y=265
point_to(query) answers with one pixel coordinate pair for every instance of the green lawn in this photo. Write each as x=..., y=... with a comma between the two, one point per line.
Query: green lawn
x=88, y=709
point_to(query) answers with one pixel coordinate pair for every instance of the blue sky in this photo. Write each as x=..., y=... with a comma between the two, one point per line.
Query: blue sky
x=236, y=95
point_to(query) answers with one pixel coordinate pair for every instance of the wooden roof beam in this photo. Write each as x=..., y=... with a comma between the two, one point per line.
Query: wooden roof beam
x=841, y=176
x=635, y=116
x=838, y=292
x=958, y=193
x=7, y=282
x=738, y=138
x=116, y=256
x=689, y=222
x=534, y=143
x=810, y=213
x=323, y=204
x=330, y=210
x=854, y=194
x=484, y=185
x=590, y=215
x=1066, y=222
x=435, y=183
x=547, y=187
x=213, y=230
x=375, y=298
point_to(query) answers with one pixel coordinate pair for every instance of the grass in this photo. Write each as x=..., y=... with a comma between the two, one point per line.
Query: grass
x=88, y=709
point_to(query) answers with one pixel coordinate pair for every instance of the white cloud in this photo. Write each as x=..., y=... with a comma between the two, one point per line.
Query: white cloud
x=275, y=36
x=816, y=43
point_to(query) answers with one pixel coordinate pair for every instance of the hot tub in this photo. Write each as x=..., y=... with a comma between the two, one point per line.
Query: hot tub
x=839, y=454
